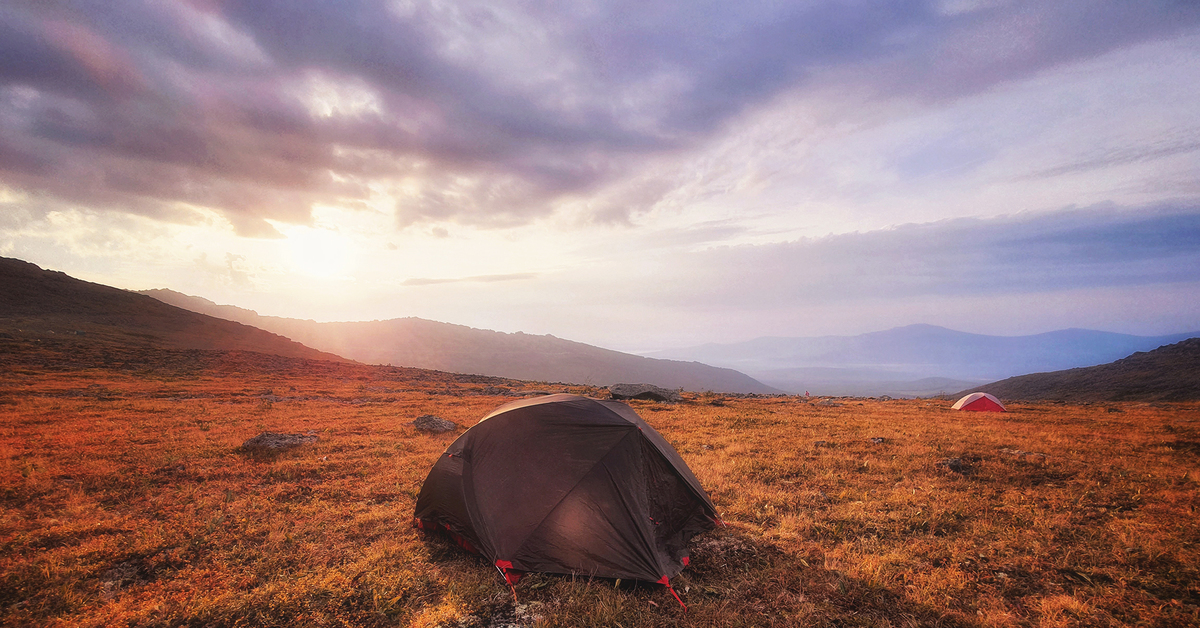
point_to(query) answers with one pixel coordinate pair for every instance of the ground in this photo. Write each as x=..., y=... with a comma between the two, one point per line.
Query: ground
x=127, y=502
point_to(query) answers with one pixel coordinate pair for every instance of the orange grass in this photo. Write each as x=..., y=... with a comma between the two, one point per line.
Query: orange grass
x=127, y=503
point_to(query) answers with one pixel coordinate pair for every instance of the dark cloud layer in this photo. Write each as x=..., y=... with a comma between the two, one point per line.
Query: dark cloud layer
x=490, y=113
x=1012, y=255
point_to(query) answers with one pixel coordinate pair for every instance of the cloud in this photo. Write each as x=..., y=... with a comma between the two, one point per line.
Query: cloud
x=425, y=281
x=231, y=273
x=1121, y=156
x=490, y=114
x=1020, y=254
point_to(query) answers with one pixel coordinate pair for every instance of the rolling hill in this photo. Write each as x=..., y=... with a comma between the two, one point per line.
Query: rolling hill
x=429, y=344
x=905, y=357
x=1169, y=373
x=46, y=305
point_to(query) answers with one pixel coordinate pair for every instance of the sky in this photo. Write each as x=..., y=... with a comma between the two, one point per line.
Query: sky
x=635, y=175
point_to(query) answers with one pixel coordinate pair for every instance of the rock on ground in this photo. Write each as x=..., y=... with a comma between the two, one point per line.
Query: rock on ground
x=953, y=464
x=276, y=441
x=643, y=391
x=499, y=615
x=433, y=424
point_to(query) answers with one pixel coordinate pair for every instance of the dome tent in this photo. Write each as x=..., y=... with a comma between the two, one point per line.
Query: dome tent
x=979, y=402
x=571, y=485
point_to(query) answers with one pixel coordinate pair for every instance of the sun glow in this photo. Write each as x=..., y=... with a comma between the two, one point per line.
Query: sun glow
x=318, y=252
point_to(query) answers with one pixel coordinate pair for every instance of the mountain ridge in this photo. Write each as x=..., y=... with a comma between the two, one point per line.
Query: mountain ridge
x=423, y=343
x=1168, y=373
x=39, y=302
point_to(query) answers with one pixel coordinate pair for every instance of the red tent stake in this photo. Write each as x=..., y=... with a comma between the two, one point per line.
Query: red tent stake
x=667, y=583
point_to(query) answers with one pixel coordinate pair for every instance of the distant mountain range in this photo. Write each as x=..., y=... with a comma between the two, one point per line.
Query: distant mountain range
x=918, y=360
x=459, y=349
x=41, y=304
x=1170, y=373
x=37, y=303
x=914, y=360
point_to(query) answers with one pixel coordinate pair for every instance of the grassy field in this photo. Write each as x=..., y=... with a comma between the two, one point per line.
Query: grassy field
x=126, y=502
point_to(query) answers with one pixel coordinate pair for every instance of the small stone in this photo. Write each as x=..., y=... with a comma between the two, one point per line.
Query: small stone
x=953, y=464
x=275, y=441
x=878, y=440
x=433, y=424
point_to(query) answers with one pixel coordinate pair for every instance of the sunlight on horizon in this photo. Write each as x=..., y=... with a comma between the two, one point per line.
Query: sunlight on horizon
x=318, y=252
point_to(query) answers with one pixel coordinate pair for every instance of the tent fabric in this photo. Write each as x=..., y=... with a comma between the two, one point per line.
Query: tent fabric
x=568, y=484
x=979, y=402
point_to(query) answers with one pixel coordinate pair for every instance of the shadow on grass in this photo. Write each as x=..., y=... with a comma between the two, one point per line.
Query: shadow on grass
x=765, y=585
x=734, y=580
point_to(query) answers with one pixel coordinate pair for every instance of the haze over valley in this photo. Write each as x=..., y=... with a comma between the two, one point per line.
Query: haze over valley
x=917, y=360
x=455, y=348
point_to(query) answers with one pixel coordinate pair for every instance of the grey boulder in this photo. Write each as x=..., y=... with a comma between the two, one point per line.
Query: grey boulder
x=643, y=391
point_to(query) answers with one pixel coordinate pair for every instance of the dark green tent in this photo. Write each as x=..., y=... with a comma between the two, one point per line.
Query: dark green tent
x=567, y=484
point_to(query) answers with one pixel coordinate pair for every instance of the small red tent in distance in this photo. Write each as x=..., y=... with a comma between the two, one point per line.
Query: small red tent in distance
x=979, y=402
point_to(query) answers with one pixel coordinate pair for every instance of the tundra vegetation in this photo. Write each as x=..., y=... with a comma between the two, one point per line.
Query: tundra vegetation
x=127, y=502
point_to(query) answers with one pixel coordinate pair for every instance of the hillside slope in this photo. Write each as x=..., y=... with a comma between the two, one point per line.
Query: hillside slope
x=50, y=304
x=1169, y=373
x=429, y=344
